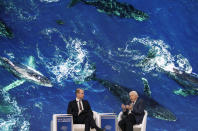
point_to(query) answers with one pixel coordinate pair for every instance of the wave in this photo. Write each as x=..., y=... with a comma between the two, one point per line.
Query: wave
x=159, y=56
x=145, y=53
x=14, y=119
x=28, y=13
x=70, y=62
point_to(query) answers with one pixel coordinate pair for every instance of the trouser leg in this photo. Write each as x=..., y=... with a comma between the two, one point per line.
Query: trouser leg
x=88, y=120
x=92, y=122
x=130, y=123
x=126, y=124
x=122, y=124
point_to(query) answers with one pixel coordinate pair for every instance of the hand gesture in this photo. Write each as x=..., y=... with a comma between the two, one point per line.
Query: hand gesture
x=129, y=107
x=123, y=107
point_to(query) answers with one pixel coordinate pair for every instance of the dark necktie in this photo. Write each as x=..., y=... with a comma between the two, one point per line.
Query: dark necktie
x=80, y=105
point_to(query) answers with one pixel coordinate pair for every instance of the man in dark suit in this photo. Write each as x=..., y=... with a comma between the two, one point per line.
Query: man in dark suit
x=81, y=111
x=132, y=113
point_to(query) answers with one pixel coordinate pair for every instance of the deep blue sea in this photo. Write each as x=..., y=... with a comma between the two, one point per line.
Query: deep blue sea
x=90, y=42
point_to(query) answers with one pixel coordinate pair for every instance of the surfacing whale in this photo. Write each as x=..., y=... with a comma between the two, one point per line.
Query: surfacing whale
x=25, y=73
x=188, y=81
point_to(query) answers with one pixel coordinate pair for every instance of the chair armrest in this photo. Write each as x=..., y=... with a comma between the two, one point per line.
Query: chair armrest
x=96, y=117
x=120, y=116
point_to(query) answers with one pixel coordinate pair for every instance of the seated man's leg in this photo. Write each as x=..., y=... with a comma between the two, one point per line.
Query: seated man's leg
x=89, y=117
x=88, y=120
x=82, y=119
x=130, y=123
x=122, y=123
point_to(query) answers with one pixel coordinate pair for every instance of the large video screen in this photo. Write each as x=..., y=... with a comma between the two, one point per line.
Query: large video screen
x=49, y=48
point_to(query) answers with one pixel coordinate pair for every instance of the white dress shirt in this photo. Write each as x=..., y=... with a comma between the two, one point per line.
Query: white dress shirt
x=132, y=103
x=79, y=111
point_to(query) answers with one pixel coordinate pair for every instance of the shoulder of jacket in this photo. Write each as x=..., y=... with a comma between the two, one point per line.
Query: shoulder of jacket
x=140, y=100
x=86, y=101
x=72, y=101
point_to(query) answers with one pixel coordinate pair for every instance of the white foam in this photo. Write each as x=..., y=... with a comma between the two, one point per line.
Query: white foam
x=15, y=119
x=163, y=58
x=73, y=64
x=22, y=13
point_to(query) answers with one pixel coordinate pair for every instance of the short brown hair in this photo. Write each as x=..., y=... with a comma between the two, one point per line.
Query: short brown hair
x=78, y=90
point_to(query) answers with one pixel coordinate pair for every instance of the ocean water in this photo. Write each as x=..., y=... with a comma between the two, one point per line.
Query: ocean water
x=91, y=42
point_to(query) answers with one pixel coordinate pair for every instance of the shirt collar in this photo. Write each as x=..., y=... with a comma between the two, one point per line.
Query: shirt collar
x=77, y=99
x=134, y=102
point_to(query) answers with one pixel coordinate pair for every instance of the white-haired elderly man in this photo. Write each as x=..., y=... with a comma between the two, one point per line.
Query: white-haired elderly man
x=133, y=113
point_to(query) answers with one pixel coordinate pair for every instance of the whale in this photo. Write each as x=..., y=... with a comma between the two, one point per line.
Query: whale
x=114, y=8
x=187, y=80
x=24, y=73
x=154, y=108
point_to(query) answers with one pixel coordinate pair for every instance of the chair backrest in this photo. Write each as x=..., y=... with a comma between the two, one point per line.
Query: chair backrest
x=144, y=121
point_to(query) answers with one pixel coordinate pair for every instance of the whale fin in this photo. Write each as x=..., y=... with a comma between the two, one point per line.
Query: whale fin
x=73, y=3
x=31, y=62
x=13, y=85
x=147, y=90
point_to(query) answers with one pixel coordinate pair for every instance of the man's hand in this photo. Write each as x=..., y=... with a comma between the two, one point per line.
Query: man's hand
x=129, y=107
x=123, y=107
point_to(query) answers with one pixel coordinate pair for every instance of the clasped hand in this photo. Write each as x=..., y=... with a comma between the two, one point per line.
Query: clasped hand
x=129, y=107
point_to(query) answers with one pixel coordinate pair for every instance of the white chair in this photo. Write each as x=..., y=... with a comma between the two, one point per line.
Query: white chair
x=137, y=127
x=81, y=127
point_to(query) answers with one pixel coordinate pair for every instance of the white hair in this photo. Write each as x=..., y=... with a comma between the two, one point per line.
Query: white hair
x=133, y=92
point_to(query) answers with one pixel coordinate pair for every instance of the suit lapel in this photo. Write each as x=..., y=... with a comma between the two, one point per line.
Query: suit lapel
x=83, y=102
x=76, y=105
x=136, y=103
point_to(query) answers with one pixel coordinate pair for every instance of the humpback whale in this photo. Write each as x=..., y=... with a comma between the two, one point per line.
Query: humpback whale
x=5, y=31
x=113, y=7
x=25, y=73
x=154, y=108
x=189, y=81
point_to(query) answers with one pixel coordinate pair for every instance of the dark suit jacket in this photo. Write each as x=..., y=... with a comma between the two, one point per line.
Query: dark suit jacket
x=73, y=109
x=138, y=110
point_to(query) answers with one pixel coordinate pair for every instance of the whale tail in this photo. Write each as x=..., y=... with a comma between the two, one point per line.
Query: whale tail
x=73, y=3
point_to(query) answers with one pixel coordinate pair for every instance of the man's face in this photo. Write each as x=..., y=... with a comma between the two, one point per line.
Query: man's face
x=133, y=97
x=80, y=94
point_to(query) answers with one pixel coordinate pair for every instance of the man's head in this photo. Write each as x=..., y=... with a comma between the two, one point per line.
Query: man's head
x=79, y=93
x=133, y=96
